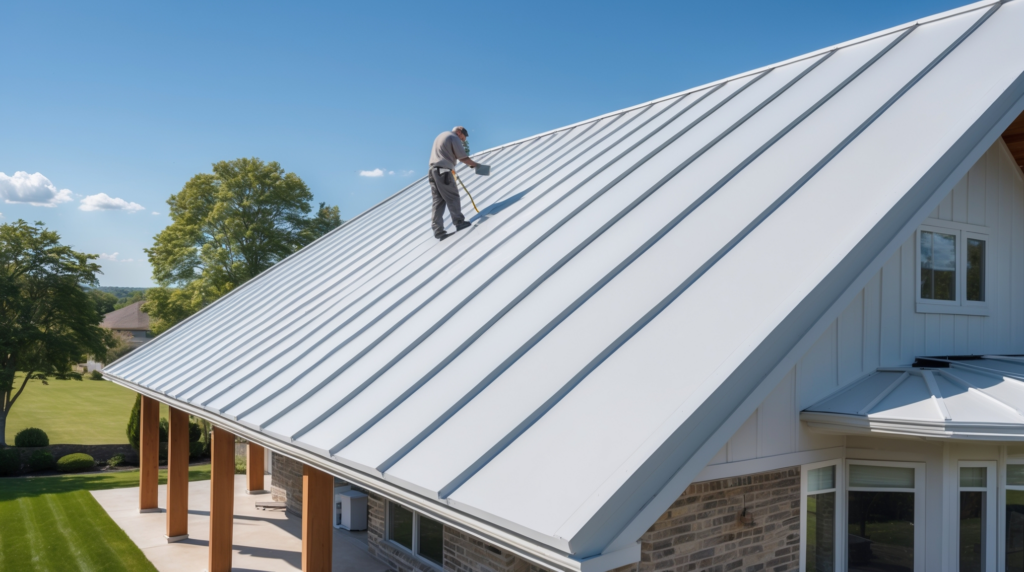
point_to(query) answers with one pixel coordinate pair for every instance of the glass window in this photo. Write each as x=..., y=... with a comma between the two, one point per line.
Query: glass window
x=975, y=270
x=1015, y=518
x=871, y=476
x=821, y=520
x=400, y=525
x=973, y=520
x=938, y=266
x=880, y=531
x=431, y=540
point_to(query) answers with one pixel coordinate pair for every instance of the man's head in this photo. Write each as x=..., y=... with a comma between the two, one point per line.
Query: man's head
x=461, y=132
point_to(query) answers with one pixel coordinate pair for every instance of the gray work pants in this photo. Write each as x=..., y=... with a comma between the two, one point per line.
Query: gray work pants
x=444, y=193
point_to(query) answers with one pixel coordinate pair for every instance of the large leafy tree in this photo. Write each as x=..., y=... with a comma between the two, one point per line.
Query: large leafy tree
x=47, y=320
x=227, y=227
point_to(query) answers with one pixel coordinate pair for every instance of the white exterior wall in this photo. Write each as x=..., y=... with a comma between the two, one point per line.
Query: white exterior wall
x=881, y=327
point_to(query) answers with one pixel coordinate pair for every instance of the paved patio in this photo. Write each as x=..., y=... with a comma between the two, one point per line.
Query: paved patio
x=263, y=540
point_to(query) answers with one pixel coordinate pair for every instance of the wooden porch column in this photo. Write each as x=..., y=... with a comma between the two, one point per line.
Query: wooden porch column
x=254, y=469
x=149, y=453
x=177, y=476
x=317, y=514
x=222, y=500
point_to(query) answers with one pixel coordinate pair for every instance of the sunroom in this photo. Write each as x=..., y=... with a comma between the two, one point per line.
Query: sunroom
x=933, y=472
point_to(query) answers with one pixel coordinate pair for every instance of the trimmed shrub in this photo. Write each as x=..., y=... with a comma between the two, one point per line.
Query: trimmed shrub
x=95, y=375
x=115, y=461
x=195, y=432
x=75, y=463
x=239, y=464
x=10, y=462
x=31, y=437
x=133, y=423
x=41, y=461
x=196, y=450
x=134, y=430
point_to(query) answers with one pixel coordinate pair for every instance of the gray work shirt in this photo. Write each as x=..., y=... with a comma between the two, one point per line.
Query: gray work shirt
x=447, y=150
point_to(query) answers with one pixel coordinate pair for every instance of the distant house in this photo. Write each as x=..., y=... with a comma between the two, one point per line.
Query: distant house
x=129, y=320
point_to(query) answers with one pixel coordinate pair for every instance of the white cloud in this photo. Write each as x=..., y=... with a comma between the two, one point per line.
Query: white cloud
x=406, y=172
x=156, y=213
x=113, y=258
x=35, y=190
x=373, y=173
x=391, y=172
x=103, y=202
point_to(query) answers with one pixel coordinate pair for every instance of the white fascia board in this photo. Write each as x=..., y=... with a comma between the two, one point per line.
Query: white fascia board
x=547, y=556
x=836, y=423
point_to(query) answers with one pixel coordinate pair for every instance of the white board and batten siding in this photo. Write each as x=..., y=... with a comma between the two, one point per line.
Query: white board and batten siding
x=881, y=326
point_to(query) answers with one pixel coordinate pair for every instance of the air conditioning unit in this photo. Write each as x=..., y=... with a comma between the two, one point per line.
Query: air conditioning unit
x=349, y=509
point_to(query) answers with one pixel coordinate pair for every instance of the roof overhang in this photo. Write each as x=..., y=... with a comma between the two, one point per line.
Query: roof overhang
x=977, y=399
x=536, y=552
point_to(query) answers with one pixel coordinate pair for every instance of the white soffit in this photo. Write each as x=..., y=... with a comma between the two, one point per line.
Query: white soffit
x=980, y=399
x=544, y=372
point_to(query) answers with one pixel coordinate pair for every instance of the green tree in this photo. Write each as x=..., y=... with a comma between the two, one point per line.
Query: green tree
x=136, y=296
x=47, y=320
x=227, y=227
x=105, y=301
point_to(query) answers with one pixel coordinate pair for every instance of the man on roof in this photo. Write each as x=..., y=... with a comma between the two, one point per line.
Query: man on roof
x=446, y=151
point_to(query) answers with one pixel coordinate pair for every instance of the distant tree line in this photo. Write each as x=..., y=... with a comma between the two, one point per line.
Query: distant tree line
x=227, y=227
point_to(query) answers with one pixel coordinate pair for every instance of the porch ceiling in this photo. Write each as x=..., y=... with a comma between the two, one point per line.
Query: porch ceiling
x=976, y=399
x=1014, y=138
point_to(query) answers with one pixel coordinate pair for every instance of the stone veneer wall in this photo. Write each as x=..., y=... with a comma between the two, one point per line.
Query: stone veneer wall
x=703, y=531
x=286, y=483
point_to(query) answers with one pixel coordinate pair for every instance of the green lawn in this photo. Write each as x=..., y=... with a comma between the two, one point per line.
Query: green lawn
x=53, y=523
x=86, y=412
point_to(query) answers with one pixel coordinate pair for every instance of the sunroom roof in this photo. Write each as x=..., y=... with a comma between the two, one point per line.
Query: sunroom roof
x=969, y=399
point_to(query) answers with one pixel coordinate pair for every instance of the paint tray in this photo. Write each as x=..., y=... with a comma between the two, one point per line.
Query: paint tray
x=483, y=170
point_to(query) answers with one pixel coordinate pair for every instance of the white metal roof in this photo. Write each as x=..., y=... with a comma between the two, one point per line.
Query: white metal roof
x=969, y=399
x=557, y=374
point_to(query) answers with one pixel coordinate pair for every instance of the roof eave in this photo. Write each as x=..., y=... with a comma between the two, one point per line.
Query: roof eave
x=544, y=554
x=838, y=423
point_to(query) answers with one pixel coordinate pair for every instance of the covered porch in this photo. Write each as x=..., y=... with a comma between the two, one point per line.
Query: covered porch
x=266, y=540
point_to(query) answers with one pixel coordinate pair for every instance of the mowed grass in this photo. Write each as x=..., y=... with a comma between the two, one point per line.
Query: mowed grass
x=87, y=412
x=54, y=524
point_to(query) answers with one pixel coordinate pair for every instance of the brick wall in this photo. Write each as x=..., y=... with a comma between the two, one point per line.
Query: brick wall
x=286, y=483
x=703, y=531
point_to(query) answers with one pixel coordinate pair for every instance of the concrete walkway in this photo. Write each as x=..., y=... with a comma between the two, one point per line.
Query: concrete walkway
x=263, y=540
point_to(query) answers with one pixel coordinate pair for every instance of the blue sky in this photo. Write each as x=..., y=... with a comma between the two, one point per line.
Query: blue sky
x=132, y=99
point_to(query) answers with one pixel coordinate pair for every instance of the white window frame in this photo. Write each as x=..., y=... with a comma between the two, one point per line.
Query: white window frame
x=919, y=506
x=992, y=511
x=961, y=305
x=840, y=548
x=415, y=552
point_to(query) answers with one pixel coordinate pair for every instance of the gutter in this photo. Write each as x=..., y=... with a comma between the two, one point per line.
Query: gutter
x=534, y=552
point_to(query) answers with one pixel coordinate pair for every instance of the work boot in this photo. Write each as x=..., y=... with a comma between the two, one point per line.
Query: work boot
x=462, y=225
x=442, y=235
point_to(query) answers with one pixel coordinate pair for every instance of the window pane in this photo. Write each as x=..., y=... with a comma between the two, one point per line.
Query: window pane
x=1015, y=531
x=938, y=266
x=973, y=477
x=881, y=477
x=400, y=525
x=975, y=270
x=821, y=528
x=972, y=531
x=880, y=533
x=1015, y=475
x=432, y=540
x=821, y=479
